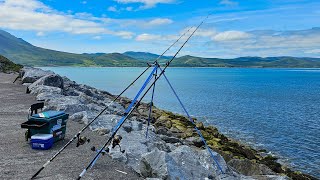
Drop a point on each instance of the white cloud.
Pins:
(151, 23)
(159, 22)
(34, 15)
(83, 2)
(312, 51)
(40, 33)
(202, 33)
(228, 2)
(148, 37)
(272, 43)
(205, 32)
(97, 37)
(232, 43)
(112, 9)
(146, 3)
(230, 36)
(223, 19)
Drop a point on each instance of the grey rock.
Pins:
(135, 145)
(30, 75)
(94, 108)
(161, 145)
(117, 155)
(89, 91)
(45, 96)
(170, 139)
(196, 141)
(53, 80)
(116, 108)
(249, 168)
(193, 167)
(68, 83)
(103, 121)
(171, 147)
(102, 131)
(69, 104)
(164, 131)
(127, 127)
(136, 125)
(78, 116)
(209, 163)
(70, 91)
(44, 89)
(158, 164)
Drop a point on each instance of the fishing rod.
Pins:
(151, 103)
(76, 136)
(120, 123)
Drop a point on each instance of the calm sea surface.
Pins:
(274, 109)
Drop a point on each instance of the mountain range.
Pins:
(22, 52)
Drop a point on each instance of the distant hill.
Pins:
(276, 62)
(22, 52)
(25, 53)
(146, 56)
(6, 65)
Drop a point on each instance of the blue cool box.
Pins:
(41, 141)
(49, 122)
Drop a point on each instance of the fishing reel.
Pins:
(82, 140)
(115, 142)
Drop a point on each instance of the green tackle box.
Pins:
(49, 122)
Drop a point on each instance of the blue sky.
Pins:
(235, 28)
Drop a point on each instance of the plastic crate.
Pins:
(41, 141)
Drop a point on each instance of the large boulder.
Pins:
(30, 75)
(45, 96)
(103, 121)
(79, 116)
(250, 168)
(44, 89)
(69, 104)
(201, 165)
(158, 164)
(182, 162)
(53, 80)
(135, 145)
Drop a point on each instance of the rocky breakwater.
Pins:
(172, 150)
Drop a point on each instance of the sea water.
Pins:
(273, 109)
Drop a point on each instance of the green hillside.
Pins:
(6, 65)
(146, 56)
(268, 62)
(22, 52)
(25, 53)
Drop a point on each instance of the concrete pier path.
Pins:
(19, 161)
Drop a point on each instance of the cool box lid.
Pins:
(42, 136)
(48, 114)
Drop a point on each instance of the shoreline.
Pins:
(200, 67)
(229, 148)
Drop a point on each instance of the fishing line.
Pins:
(131, 108)
(117, 97)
